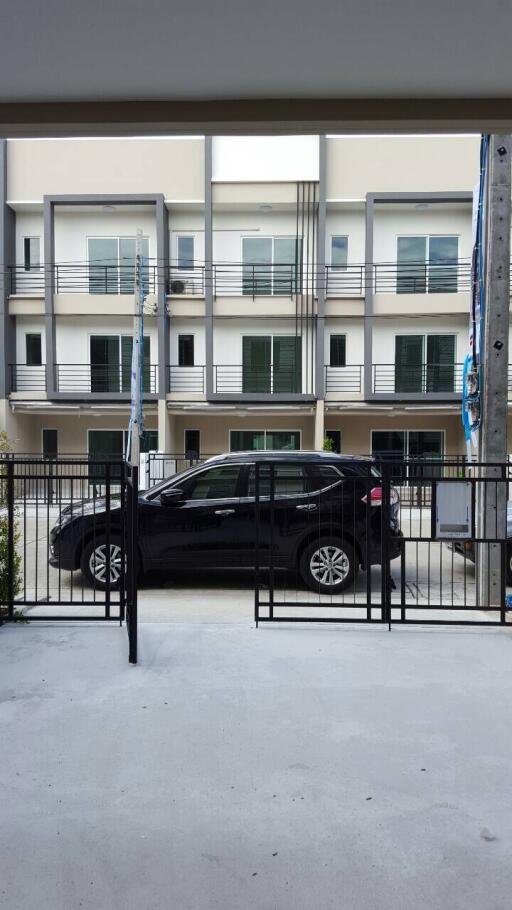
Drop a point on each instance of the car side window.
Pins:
(321, 476)
(216, 483)
(289, 480)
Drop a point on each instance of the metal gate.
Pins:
(443, 559)
(68, 542)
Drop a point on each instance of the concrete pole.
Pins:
(137, 354)
(492, 501)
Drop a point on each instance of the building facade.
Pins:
(296, 288)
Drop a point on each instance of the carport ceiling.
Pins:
(157, 62)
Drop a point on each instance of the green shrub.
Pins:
(328, 445)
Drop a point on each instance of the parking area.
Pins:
(280, 768)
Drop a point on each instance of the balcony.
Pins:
(186, 380)
(438, 379)
(259, 382)
(345, 380)
(80, 379)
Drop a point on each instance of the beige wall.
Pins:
(359, 165)
(37, 167)
(356, 430)
(215, 429)
(25, 430)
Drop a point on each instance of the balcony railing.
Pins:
(239, 279)
(87, 379)
(187, 379)
(246, 380)
(423, 378)
(25, 378)
(347, 379)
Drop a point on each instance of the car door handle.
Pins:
(309, 507)
(224, 511)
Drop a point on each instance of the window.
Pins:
(112, 265)
(427, 264)
(258, 440)
(31, 254)
(50, 443)
(289, 480)
(395, 445)
(185, 252)
(186, 350)
(339, 252)
(33, 350)
(335, 437)
(338, 346)
(192, 444)
(321, 476)
(111, 363)
(271, 265)
(215, 483)
(109, 445)
(425, 363)
(271, 364)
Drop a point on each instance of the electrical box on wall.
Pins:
(453, 509)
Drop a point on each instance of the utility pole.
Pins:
(492, 501)
(137, 353)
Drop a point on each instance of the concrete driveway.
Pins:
(274, 769)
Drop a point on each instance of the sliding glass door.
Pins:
(271, 364)
(257, 363)
(111, 363)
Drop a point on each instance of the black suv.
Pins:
(323, 517)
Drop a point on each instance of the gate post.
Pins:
(10, 539)
(131, 561)
(384, 537)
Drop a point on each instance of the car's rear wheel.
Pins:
(94, 562)
(328, 565)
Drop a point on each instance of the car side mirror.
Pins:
(172, 497)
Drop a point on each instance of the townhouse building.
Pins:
(296, 288)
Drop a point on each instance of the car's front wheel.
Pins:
(94, 562)
(328, 565)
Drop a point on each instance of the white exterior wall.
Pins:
(230, 227)
(72, 230)
(352, 224)
(392, 223)
(253, 158)
(354, 330)
(72, 336)
(386, 330)
(193, 327)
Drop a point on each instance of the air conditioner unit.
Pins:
(178, 286)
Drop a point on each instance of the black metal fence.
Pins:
(68, 541)
(356, 553)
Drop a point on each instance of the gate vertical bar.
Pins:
(385, 531)
(257, 543)
(132, 564)
(10, 539)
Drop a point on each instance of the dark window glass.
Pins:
(289, 480)
(287, 364)
(256, 363)
(215, 483)
(31, 253)
(339, 252)
(321, 476)
(50, 443)
(186, 350)
(440, 366)
(33, 350)
(148, 441)
(185, 252)
(279, 440)
(388, 444)
(409, 363)
(338, 350)
(335, 437)
(442, 264)
(246, 440)
(411, 265)
(192, 444)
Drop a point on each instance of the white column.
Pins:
(319, 424)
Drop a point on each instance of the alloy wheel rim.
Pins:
(329, 565)
(98, 563)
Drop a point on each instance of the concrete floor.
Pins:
(241, 769)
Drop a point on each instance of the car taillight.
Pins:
(376, 496)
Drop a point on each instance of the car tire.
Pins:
(93, 562)
(328, 565)
(509, 566)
